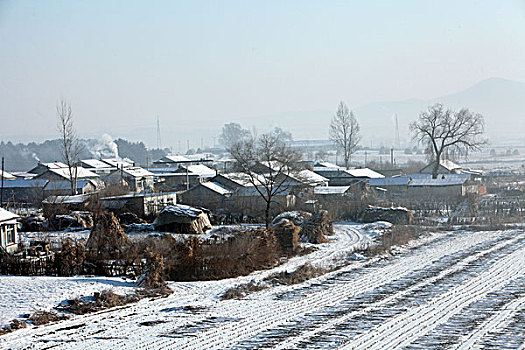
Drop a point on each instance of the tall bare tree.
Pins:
(344, 132)
(70, 144)
(271, 151)
(443, 130)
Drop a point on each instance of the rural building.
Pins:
(118, 163)
(211, 195)
(328, 192)
(63, 188)
(182, 219)
(136, 179)
(446, 188)
(64, 204)
(8, 231)
(339, 176)
(43, 167)
(24, 191)
(175, 161)
(61, 174)
(445, 167)
(97, 166)
(141, 204)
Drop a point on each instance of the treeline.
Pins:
(23, 157)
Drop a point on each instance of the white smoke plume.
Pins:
(104, 147)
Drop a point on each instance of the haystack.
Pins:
(316, 228)
(107, 235)
(182, 219)
(287, 234)
(397, 215)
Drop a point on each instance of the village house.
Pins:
(179, 160)
(118, 162)
(8, 231)
(140, 204)
(445, 167)
(211, 195)
(136, 179)
(63, 188)
(24, 191)
(61, 174)
(64, 204)
(421, 187)
(339, 176)
(97, 166)
(43, 167)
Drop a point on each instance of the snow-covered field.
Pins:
(450, 290)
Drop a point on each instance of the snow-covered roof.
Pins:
(136, 171)
(76, 199)
(330, 190)
(199, 156)
(6, 215)
(216, 187)
(118, 163)
(25, 183)
(79, 172)
(199, 169)
(182, 210)
(95, 163)
(309, 177)
(420, 180)
(6, 175)
(326, 165)
(243, 179)
(173, 159)
(54, 165)
(365, 172)
(438, 182)
(445, 163)
(23, 174)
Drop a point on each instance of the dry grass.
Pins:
(398, 235)
(242, 290)
(301, 274)
(100, 301)
(42, 317)
(13, 326)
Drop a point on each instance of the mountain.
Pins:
(500, 101)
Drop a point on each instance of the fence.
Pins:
(50, 265)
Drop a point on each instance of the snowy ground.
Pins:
(450, 290)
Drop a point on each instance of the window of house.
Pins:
(10, 234)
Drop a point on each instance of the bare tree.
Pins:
(231, 133)
(70, 147)
(344, 132)
(444, 131)
(279, 160)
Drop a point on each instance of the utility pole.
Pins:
(159, 141)
(392, 157)
(2, 190)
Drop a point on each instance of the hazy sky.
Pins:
(199, 64)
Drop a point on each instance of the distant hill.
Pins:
(500, 101)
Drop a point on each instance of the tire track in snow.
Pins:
(497, 321)
(402, 330)
(330, 324)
